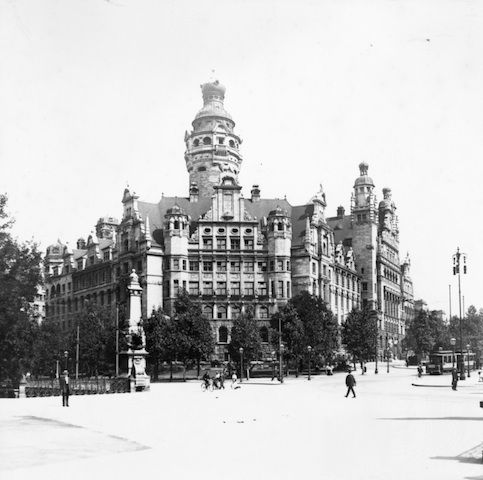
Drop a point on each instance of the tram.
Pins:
(443, 361)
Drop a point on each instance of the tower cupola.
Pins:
(212, 147)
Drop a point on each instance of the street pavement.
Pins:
(399, 427)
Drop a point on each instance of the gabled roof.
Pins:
(342, 227)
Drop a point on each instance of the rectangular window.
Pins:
(194, 266)
(279, 265)
(194, 288)
(235, 266)
(79, 266)
(207, 266)
(221, 266)
(249, 288)
(175, 264)
(221, 243)
(262, 266)
(288, 265)
(248, 243)
(207, 288)
(262, 288)
(272, 265)
(184, 264)
(207, 243)
(235, 243)
(364, 286)
(106, 255)
(314, 268)
(175, 287)
(280, 288)
(289, 293)
(140, 266)
(221, 288)
(63, 288)
(92, 260)
(235, 288)
(69, 286)
(248, 267)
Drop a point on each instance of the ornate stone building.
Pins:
(229, 252)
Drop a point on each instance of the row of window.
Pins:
(235, 266)
(221, 243)
(232, 311)
(235, 288)
(69, 306)
(223, 334)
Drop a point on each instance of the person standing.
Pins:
(454, 379)
(64, 381)
(350, 381)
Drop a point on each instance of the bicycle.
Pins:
(207, 386)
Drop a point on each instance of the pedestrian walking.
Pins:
(64, 381)
(454, 379)
(350, 381)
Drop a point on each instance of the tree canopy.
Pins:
(359, 333)
(20, 277)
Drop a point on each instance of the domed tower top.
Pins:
(212, 147)
(363, 187)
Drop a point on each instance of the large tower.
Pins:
(364, 219)
(212, 147)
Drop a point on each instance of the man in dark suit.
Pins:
(350, 381)
(64, 381)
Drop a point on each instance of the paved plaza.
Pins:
(398, 427)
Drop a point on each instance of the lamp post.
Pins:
(377, 352)
(453, 343)
(309, 349)
(457, 257)
(387, 352)
(281, 362)
(468, 357)
(241, 364)
(66, 357)
(273, 364)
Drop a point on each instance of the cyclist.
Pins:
(207, 379)
(216, 380)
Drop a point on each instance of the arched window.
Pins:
(231, 143)
(223, 335)
(208, 311)
(201, 169)
(221, 312)
(176, 224)
(52, 292)
(57, 290)
(264, 334)
(280, 226)
(207, 141)
(235, 311)
(263, 312)
(196, 142)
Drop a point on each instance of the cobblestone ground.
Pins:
(399, 426)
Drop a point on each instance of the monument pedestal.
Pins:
(133, 366)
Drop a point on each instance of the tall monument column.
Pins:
(133, 360)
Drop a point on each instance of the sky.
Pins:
(96, 95)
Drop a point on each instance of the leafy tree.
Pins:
(245, 333)
(321, 330)
(20, 275)
(288, 322)
(97, 337)
(421, 334)
(49, 343)
(359, 334)
(192, 332)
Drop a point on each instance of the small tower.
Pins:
(212, 147)
(279, 238)
(176, 236)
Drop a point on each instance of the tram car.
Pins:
(443, 361)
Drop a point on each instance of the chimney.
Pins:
(81, 244)
(340, 211)
(255, 193)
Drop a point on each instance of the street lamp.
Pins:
(457, 257)
(309, 348)
(387, 352)
(468, 356)
(377, 352)
(273, 364)
(241, 364)
(281, 362)
(453, 343)
(66, 357)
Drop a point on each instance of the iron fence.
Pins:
(87, 386)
